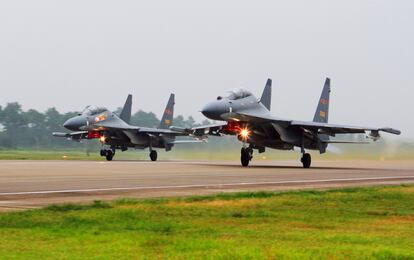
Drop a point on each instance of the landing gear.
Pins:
(108, 154)
(246, 156)
(153, 155)
(306, 160)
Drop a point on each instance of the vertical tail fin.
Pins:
(167, 118)
(266, 98)
(322, 112)
(126, 111)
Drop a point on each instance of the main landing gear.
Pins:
(108, 154)
(246, 156)
(153, 155)
(306, 160)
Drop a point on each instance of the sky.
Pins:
(69, 54)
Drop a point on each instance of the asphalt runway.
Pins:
(31, 184)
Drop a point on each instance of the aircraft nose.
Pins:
(211, 111)
(74, 123)
(207, 110)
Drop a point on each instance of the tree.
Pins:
(179, 121)
(142, 118)
(14, 124)
(36, 133)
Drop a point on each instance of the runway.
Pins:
(31, 184)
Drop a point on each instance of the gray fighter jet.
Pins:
(115, 132)
(250, 120)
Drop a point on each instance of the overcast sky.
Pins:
(68, 54)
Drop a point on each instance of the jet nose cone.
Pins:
(74, 123)
(212, 111)
(207, 110)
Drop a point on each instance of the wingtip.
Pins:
(391, 130)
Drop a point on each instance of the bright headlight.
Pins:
(244, 133)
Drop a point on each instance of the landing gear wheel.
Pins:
(306, 160)
(103, 152)
(246, 156)
(153, 156)
(109, 155)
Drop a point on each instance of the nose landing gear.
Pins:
(108, 154)
(306, 160)
(153, 155)
(246, 156)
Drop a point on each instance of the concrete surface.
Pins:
(30, 184)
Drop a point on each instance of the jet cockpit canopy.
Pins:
(236, 94)
(93, 110)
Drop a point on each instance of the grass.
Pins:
(360, 223)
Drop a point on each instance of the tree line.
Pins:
(33, 129)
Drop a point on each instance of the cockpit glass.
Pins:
(238, 94)
(92, 110)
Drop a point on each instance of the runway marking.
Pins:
(206, 185)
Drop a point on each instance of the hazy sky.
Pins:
(69, 54)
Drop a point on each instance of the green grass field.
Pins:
(359, 223)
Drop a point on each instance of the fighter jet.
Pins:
(250, 120)
(115, 132)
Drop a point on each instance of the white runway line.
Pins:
(213, 185)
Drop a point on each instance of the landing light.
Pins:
(244, 133)
(102, 139)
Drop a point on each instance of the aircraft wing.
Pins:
(345, 142)
(187, 141)
(200, 131)
(175, 131)
(115, 126)
(128, 128)
(213, 129)
(330, 129)
(75, 136)
(159, 131)
(254, 117)
(341, 129)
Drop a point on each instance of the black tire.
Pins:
(306, 160)
(109, 155)
(103, 152)
(153, 156)
(245, 157)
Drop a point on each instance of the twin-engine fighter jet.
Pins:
(115, 132)
(250, 120)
